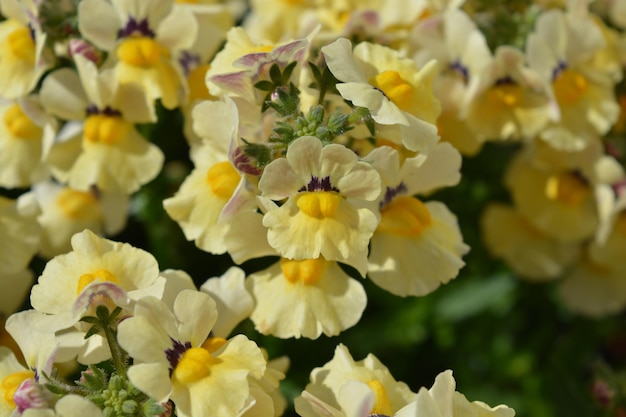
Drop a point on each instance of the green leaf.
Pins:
(287, 72)
(265, 85)
(275, 74)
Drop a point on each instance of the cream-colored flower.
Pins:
(22, 43)
(25, 134)
(305, 298)
(328, 381)
(556, 191)
(175, 360)
(391, 87)
(144, 36)
(323, 187)
(417, 246)
(561, 51)
(12, 374)
(510, 102)
(108, 152)
(65, 211)
(528, 251)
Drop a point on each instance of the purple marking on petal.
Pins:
(174, 354)
(559, 69)
(188, 61)
(507, 80)
(391, 193)
(135, 28)
(97, 290)
(234, 81)
(460, 69)
(317, 184)
(107, 111)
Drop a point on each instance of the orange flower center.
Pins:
(78, 205)
(567, 188)
(307, 271)
(140, 51)
(404, 216)
(395, 88)
(22, 45)
(319, 204)
(11, 383)
(569, 86)
(223, 179)
(19, 124)
(109, 130)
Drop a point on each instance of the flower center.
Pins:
(19, 124)
(78, 204)
(22, 45)
(395, 88)
(197, 84)
(101, 128)
(381, 402)
(567, 188)
(101, 275)
(508, 94)
(318, 204)
(223, 178)
(307, 271)
(404, 216)
(11, 383)
(139, 51)
(569, 86)
(194, 365)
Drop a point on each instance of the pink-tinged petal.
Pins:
(98, 23)
(357, 399)
(340, 61)
(97, 293)
(236, 82)
(197, 314)
(152, 379)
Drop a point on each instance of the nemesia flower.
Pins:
(416, 246)
(96, 271)
(323, 186)
(392, 88)
(65, 211)
(511, 102)
(242, 63)
(201, 376)
(528, 251)
(556, 191)
(144, 36)
(561, 51)
(109, 152)
(12, 375)
(25, 133)
(327, 382)
(22, 43)
(305, 298)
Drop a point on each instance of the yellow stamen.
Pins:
(197, 85)
(509, 95)
(19, 124)
(100, 128)
(569, 86)
(101, 275)
(78, 205)
(404, 216)
(307, 271)
(139, 52)
(382, 405)
(11, 383)
(194, 365)
(567, 188)
(223, 179)
(395, 88)
(213, 344)
(22, 45)
(261, 48)
(318, 204)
